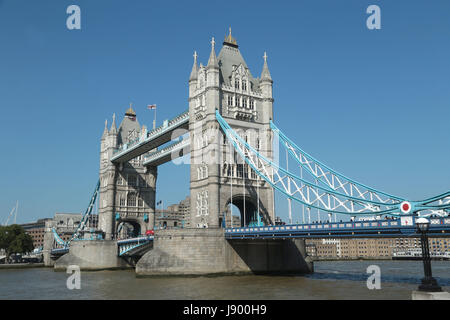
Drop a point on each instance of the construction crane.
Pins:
(13, 211)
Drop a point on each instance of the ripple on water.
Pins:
(332, 280)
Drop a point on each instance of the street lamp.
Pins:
(429, 284)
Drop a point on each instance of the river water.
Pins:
(331, 280)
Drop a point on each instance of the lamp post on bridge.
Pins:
(429, 284)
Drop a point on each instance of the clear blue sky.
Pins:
(373, 104)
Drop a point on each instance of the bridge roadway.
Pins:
(439, 227)
(403, 227)
(132, 246)
(171, 152)
(169, 130)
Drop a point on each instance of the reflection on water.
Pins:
(331, 280)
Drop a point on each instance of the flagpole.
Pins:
(153, 106)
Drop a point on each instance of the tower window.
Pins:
(252, 104)
(202, 172)
(240, 170)
(245, 169)
(131, 200)
(122, 201)
(131, 180)
(236, 83)
(230, 100)
(244, 102)
(244, 85)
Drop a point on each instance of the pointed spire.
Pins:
(113, 125)
(105, 132)
(194, 68)
(229, 40)
(212, 62)
(265, 74)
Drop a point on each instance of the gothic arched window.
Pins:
(131, 199)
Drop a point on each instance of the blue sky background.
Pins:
(372, 104)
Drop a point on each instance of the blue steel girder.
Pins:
(59, 251)
(87, 213)
(130, 245)
(329, 178)
(439, 227)
(82, 223)
(168, 131)
(326, 197)
(172, 152)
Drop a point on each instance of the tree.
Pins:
(14, 239)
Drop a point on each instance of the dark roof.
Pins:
(230, 56)
(127, 125)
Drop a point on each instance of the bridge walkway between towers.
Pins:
(153, 139)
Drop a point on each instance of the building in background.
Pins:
(66, 224)
(175, 216)
(232, 221)
(36, 230)
(375, 248)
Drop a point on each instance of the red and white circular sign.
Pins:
(405, 207)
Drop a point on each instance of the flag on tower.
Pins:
(152, 106)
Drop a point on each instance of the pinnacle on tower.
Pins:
(265, 74)
(113, 125)
(229, 40)
(212, 62)
(105, 132)
(130, 113)
(194, 68)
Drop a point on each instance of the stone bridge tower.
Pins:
(218, 175)
(127, 191)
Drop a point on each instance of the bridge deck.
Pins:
(133, 245)
(155, 138)
(355, 229)
(171, 152)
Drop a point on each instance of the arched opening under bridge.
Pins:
(242, 211)
(128, 229)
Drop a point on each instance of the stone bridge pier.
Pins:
(206, 251)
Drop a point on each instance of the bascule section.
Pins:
(220, 180)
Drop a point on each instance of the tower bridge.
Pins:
(229, 133)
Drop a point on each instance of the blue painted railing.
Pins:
(350, 229)
(126, 245)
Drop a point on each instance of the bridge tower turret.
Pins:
(218, 176)
(127, 190)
